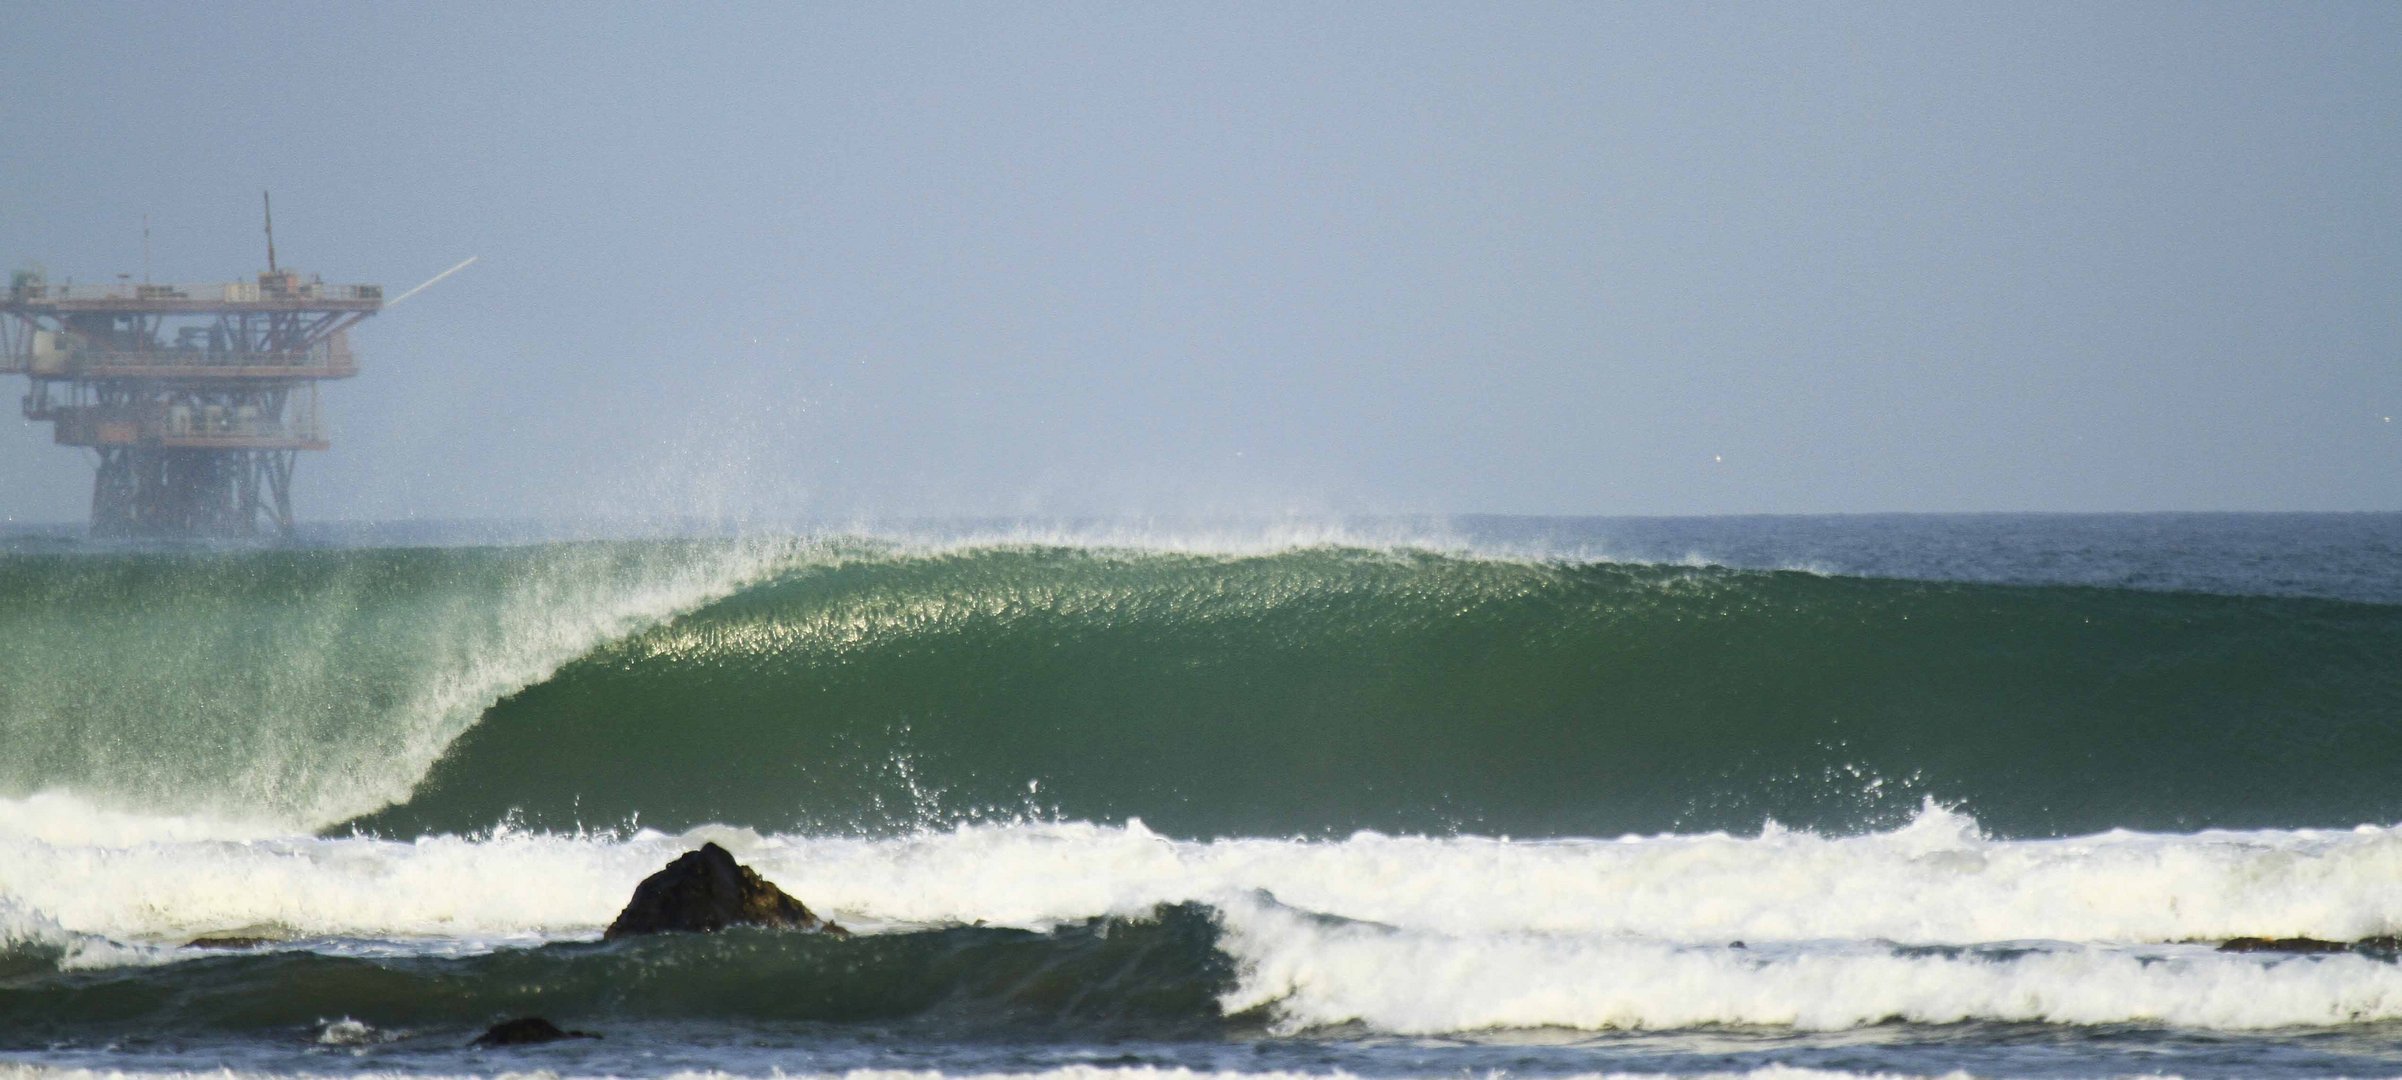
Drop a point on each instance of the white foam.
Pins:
(1408, 934)
(66, 818)
(504, 887)
(1935, 881)
(347, 1031)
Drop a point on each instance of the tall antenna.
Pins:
(145, 249)
(269, 203)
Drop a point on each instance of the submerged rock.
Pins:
(2309, 945)
(526, 1031)
(228, 941)
(252, 936)
(705, 891)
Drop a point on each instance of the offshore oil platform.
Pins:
(195, 399)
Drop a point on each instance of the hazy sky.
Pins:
(1282, 258)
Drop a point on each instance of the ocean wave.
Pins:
(1269, 688)
(1933, 922)
(1156, 975)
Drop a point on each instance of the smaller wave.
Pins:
(1311, 972)
(1156, 975)
(32, 943)
(1076, 923)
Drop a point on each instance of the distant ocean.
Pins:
(1783, 796)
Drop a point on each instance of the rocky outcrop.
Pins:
(705, 891)
(526, 1031)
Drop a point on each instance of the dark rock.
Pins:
(706, 891)
(526, 1031)
(2301, 945)
(252, 936)
(228, 941)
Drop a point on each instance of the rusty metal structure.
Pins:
(195, 399)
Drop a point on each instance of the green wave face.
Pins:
(1322, 691)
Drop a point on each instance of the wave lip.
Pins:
(302, 688)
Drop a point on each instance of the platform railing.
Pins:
(86, 425)
(322, 361)
(239, 292)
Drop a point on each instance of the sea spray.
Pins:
(301, 688)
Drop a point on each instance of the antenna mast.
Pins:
(269, 202)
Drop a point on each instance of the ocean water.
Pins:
(1546, 797)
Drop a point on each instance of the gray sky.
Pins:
(1284, 258)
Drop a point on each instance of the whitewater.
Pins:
(1544, 798)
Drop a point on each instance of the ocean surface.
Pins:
(1464, 797)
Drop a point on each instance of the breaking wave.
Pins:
(876, 688)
